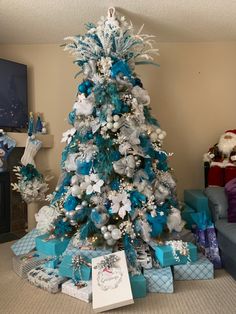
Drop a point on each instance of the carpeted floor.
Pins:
(17, 296)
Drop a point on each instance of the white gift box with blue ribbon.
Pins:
(84, 293)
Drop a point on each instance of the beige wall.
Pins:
(193, 96)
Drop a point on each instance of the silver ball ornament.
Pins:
(111, 227)
(104, 229)
(74, 180)
(116, 234)
(116, 118)
(84, 203)
(111, 242)
(107, 235)
(75, 190)
(78, 207)
(109, 125)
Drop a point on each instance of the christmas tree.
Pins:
(116, 187)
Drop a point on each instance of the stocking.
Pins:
(6, 146)
(31, 148)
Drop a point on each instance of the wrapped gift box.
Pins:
(110, 282)
(45, 278)
(25, 244)
(84, 293)
(138, 286)
(22, 264)
(197, 200)
(52, 262)
(86, 251)
(144, 258)
(159, 280)
(164, 254)
(199, 270)
(186, 216)
(66, 269)
(52, 247)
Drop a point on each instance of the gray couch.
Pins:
(226, 232)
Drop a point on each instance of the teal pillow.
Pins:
(218, 202)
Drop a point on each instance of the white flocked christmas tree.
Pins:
(116, 187)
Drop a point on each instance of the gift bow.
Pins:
(77, 261)
(107, 263)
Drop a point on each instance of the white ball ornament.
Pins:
(161, 136)
(111, 227)
(104, 229)
(74, 180)
(109, 119)
(78, 207)
(153, 136)
(107, 235)
(116, 234)
(84, 203)
(75, 190)
(116, 125)
(111, 242)
(109, 125)
(116, 118)
(158, 131)
(71, 213)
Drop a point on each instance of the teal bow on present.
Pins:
(201, 220)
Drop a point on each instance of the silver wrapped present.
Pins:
(22, 264)
(83, 292)
(46, 278)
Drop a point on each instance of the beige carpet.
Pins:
(17, 296)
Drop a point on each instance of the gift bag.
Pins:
(206, 238)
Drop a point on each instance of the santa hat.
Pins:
(231, 131)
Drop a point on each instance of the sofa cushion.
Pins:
(218, 202)
(226, 235)
(230, 190)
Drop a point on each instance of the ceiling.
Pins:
(49, 21)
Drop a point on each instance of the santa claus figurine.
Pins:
(222, 160)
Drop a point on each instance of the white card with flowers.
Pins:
(110, 281)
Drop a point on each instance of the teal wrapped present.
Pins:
(138, 286)
(85, 250)
(186, 216)
(164, 254)
(77, 271)
(200, 270)
(51, 247)
(159, 280)
(52, 263)
(197, 200)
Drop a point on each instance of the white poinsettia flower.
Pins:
(121, 204)
(84, 105)
(45, 217)
(92, 184)
(141, 95)
(67, 136)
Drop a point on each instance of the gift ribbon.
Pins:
(77, 262)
